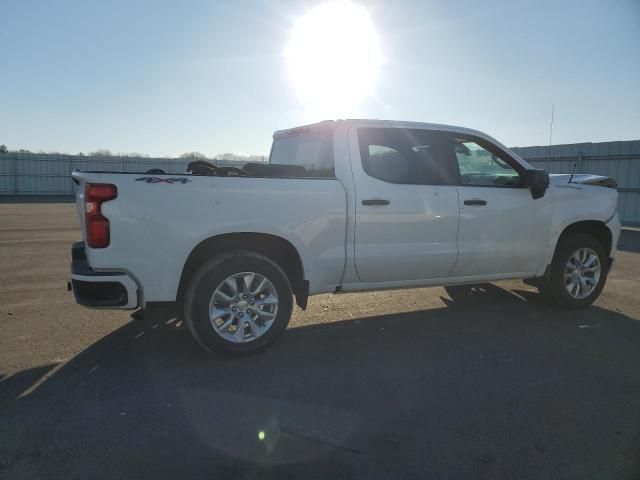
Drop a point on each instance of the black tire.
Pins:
(204, 283)
(553, 288)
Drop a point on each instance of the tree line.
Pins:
(186, 156)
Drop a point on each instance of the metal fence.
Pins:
(49, 174)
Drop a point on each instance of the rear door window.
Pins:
(404, 156)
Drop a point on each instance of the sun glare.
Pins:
(334, 58)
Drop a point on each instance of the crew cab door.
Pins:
(406, 205)
(503, 229)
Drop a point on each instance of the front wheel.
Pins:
(578, 272)
(238, 303)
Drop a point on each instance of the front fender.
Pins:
(575, 203)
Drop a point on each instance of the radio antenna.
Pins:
(553, 108)
(572, 172)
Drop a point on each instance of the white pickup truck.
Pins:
(342, 206)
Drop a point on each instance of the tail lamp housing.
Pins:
(97, 226)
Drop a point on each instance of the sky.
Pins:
(167, 77)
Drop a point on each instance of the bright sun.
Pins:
(334, 58)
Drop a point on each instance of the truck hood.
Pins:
(582, 178)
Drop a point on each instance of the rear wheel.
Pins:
(238, 303)
(578, 272)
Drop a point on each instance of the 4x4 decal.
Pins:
(162, 180)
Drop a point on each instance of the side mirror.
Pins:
(537, 181)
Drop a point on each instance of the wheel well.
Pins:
(273, 247)
(596, 229)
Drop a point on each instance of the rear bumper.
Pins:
(100, 289)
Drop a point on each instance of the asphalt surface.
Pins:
(482, 382)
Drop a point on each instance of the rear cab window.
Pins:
(304, 153)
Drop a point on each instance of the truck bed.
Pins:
(167, 216)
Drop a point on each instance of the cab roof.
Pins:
(369, 122)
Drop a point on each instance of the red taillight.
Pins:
(95, 194)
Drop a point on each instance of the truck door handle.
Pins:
(376, 201)
(475, 201)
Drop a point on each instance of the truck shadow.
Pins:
(492, 385)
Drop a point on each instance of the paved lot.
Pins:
(464, 382)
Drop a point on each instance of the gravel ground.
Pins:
(480, 381)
